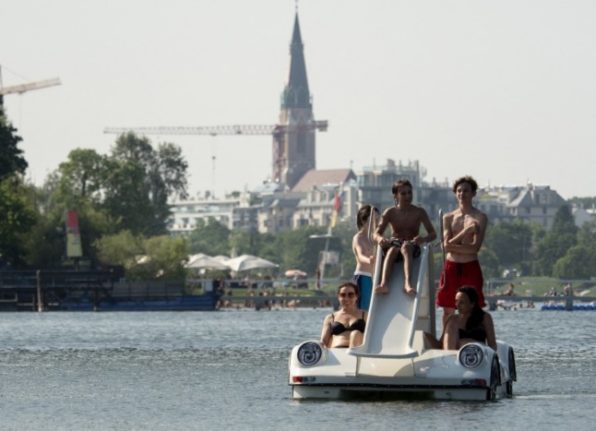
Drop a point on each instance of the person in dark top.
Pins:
(345, 327)
(470, 324)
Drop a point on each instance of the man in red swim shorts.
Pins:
(463, 233)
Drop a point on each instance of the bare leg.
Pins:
(356, 338)
(406, 251)
(386, 272)
(450, 335)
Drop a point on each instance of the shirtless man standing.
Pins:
(463, 233)
(405, 220)
(363, 249)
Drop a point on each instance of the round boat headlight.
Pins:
(471, 355)
(309, 353)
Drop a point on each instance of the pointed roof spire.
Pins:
(296, 94)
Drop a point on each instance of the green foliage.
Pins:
(490, 263)
(578, 262)
(139, 181)
(244, 242)
(80, 178)
(17, 216)
(144, 258)
(11, 156)
(166, 256)
(556, 242)
(210, 238)
(45, 245)
(507, 245)
(297, 250)
(121, 249)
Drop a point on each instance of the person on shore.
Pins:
(345, 327)
(405, 220)
(470, 323)
(363, 249)
(463, 234)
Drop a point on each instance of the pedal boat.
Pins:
(394, 360)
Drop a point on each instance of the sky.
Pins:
(504, 91)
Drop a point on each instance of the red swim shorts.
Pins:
(456, 275)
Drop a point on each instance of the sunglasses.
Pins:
(347, 295)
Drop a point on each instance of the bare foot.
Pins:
(381, 289)
(409, 290)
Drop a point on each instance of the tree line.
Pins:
(121, 199)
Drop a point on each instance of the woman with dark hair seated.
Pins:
(470, 323)
(345, 327)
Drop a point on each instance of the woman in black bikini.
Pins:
(345, 327)
(470, 323)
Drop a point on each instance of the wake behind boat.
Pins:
(395, 358)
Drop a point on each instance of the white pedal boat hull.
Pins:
(393, 360)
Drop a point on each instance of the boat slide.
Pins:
(392, 316)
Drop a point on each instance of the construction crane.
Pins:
(276, 130)
(22, 88)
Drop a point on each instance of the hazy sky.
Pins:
(502, 90)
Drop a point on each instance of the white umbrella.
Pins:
(202, 261)
(221, 258)
(247, 262)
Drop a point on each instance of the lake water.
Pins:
(228, 369)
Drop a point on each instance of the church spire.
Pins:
(296, 93)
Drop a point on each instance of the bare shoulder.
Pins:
(421, 211)
(389, 211)
(480, 216)
(450, 215)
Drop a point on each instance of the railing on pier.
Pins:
(39, 290)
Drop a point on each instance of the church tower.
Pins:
(294, 141)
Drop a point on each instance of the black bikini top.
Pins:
(477, 334)
(339, 328)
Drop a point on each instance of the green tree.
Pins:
(245, 242)
(210, 238)
(166, 257)
(490, 263)
(554, 245)
(81, 177)
(160, 257)
(12, 160)
(122, 248)
(17, 218)
(139, 182)
(511, 243)
(297, 249)
(16, 212)
(578, 263)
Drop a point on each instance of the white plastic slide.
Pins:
(392, 316)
